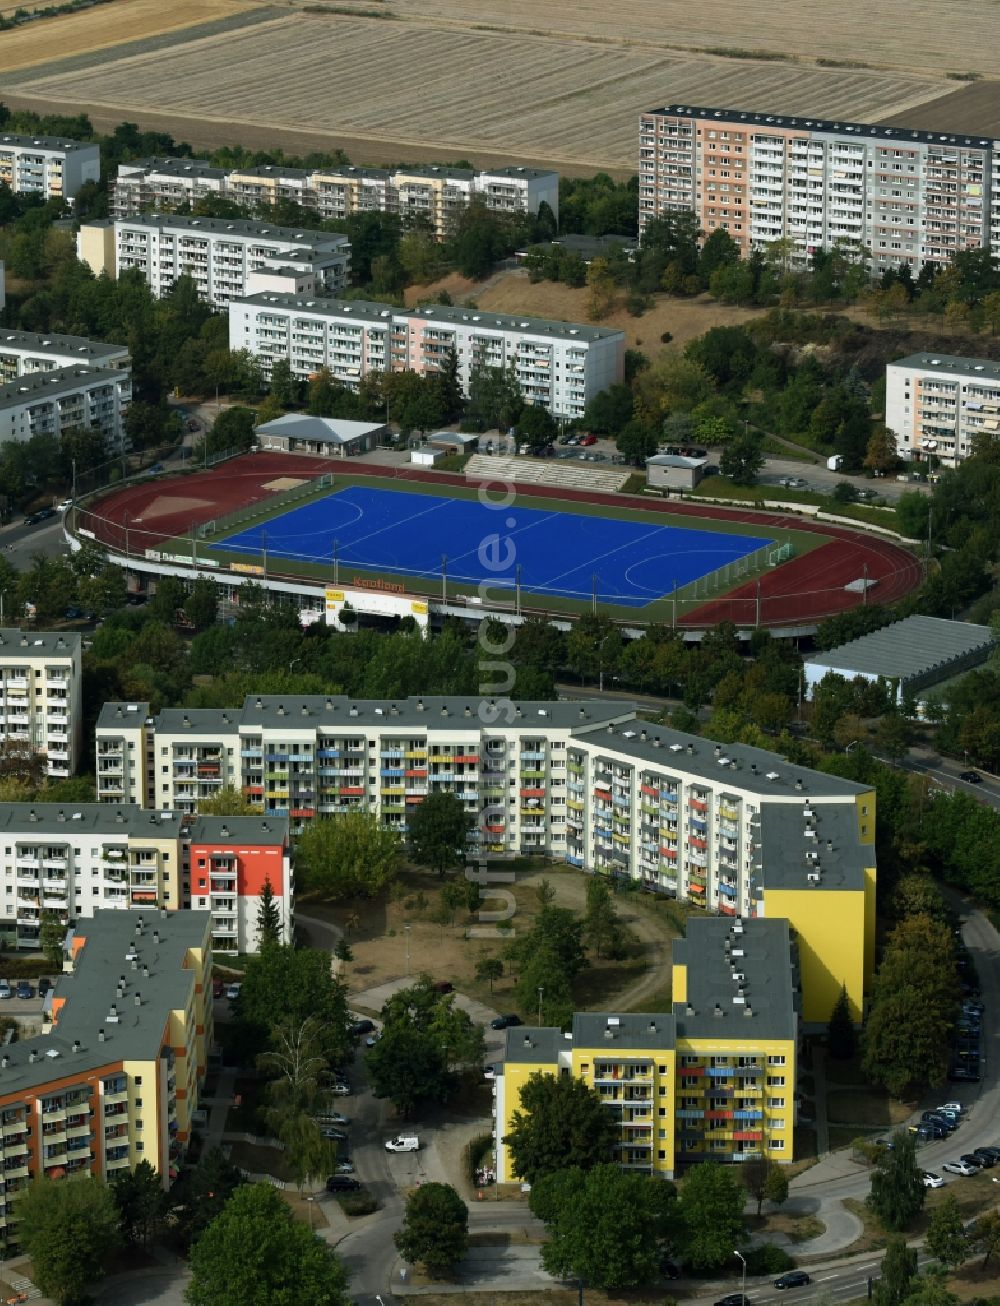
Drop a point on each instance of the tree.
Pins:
(228, 801)
(438, 830)
(489, 968)
(256, 1251)
(881, 455)
(742, 459)
(764, 1179)
(141, 1200)
(536, 426)
(52, 935)
(435, 1229)
(69, 1228)
(202, 1193)
(561, 1123)
(606, 1227)
(307, 1153)
(842, 1038)
(268, 916)
(946, 1238)
(893, 735)
(601, 926)
(899, 1269)
(712, 1215)
(346, 856)
(897, 1191)
(20, 763)
(600, 289)
(985, 1235)
(201, 606)
(291, 984)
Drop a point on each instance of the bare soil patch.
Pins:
(974, 108)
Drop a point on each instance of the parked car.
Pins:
(931, 1118)
(43, 514)
(734, 1299)
(928, 1129)
(344, 1167)
(331, 1118)
(960, 1167)
(24, 989)
(490, 1071)
(44, 984)
(403, 1143)
(932, 1180)
(669, 1269)
(970, 1158)
(588, 440)
(338, 1183)
(217, 988)
(505, 1022)
(792, 482)
(5, 990)
(986, 1157)
(335, 1135)
(792, 1279)
(971, 777)
(361, 1027)
(233, 991)
(964, 1074)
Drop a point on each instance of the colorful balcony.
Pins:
(533, 793)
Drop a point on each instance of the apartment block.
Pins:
(24, 352)
(559, 365)
(711, 1080)
(47, 165)
(51, 401)
(437, 195)
(76, 859)
(738, 830)
(80, 859)
(937, 404)
(41, 695)
(230, 859)
(115, 1076)
(227, 259)
(163, 185)
(912, 197)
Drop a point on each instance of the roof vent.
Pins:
(718, 1010)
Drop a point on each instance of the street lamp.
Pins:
(312, 1203)
(541, 994)
(743, 1262)
(406, 931)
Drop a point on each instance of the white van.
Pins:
(405, 1143)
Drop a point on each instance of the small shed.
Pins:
(426, 457)
(454, 441)
(330, 437)
(674, 471)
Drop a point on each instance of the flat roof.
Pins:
(915, 646)
(428, 712)
(482, 320)
(614, 1031)
(755, 770)
(515, 170)
(160, 941)
(46, 142)
(172, 167)
(34, 386)
(837, 127)
(245, 227)
(529, 1043)
(196, 720)
(69, 820)
(48, 343)
(119, 715)
(38, 643)
(269, 830)
(977, 368)
(430, 171)
(717, 953)
(338, 430)
(797, 843)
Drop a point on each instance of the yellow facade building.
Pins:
(713, 1079)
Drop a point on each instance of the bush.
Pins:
(20, 967)
(361, 1203)
(768, 1259)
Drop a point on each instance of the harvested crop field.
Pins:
(856, 32)
(452, 89)
(107, 25)
(974, 109)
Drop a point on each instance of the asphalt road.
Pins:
(819, 477)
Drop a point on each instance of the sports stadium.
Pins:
(341, 530)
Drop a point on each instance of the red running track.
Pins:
(801, 591)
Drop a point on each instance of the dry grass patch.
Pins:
(569, 101)
(107, 25)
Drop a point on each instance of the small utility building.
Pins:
(674, 471)
(916, 653)
(330, 437)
